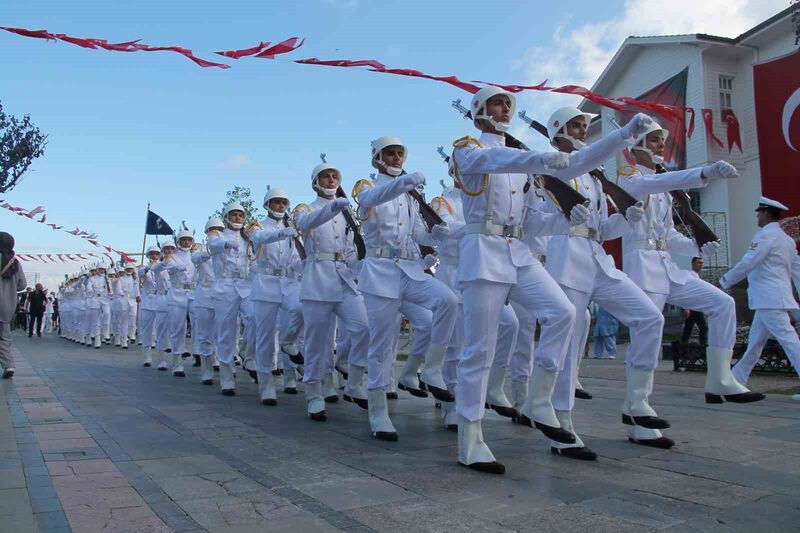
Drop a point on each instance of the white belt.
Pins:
(588, 233)
(390, 253)
(187, 286)
(487, 228)
(327, 256)
(277, 272)
(649, 244)
(449, 260)
(234, 275)
(151, 293)
(206, 283)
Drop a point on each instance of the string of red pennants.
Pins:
(55, 258)
(88, 236)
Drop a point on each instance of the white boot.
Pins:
(206, 370)
(519, 393)
(578, 450)
(148, 360)
(117, 341)
(449, 413)
(226, 379)
(636, 409)
(538, 410)
(379, 421)
(432, 372)
(354, 390)
(162, 361)
(495, 395)
(315, 402)
(177, 366)
(266, 388)
(472, 451)
(720, 381)
(97, 342)
(328, 390)
(289, 380)
(409, 381)
(124, 343)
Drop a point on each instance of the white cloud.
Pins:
(579, 52)
(234, 162)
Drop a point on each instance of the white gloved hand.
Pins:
(232, 245)
(578, 215)
(634, 213)
(637, 125)
(339, 204)
(429, 260)
(710, 248)
(440, 232)
(555, 159)
(412, 181)
(288, 233)
(720, 170)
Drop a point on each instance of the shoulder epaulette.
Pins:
(440, 201)
(627, 170)
(214, 233)
(301, 208)
(466, 141)
(360, 186)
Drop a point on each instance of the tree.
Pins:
(20, 143)
(243, 196)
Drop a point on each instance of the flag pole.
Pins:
(144, 240)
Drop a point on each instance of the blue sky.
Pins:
(128, 129)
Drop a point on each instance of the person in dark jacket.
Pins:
(37, 303)
(12, 281)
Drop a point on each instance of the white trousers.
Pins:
(541, 297)
(626, 301)
(384, 316)
(176, 315)
(203, 331)
(508, 330)
(421, 321)
(698, 295)
(94, 321)
(521, 365)
(265, 320)
(147, 326)
(105, 318)
(133, 309)
(162, 330)
(226, 315)
(768, 323)
(320, 325)
(290, 319)
(454, 349)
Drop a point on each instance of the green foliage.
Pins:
(20, 143)
(243, 196)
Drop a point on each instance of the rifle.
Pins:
(621, 199)
(355, 227)
(298, 244)
(566, 197)
(689, 217)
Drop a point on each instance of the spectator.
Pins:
(48, 314)
(695, 317)
(37, 304)
(12, 280)
(605, 334)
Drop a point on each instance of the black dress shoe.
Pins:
(318, 417)
(662, 442)
(344, 374)
(553, 433)
(277, 372)
(179, 374)
(184, 355)
(487, 468)
(361, 402)
(419, 393)
(742, 397)
(649, 422)
(216, 368)
(196, 360)
(146, 364)
(443, 395)
(332, 399)
(253, 374)
(208, 382)
(582, 454)
(125, 347)
(582, 394)
(8, 373)
(451, 427)
(297, 358)
(508, 412)
(388, 436)
(162, 369)
(269, 401)
(290, 390)
(391, 396)
(229, 392)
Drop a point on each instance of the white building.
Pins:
(720, 75)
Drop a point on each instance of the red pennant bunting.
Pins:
(283, 47)
(19, 256)
(519, 88)
(69, 257)
(589, 95)
(79, 255)
(734, 135)
(708, 120)
(41, 220)
(85, 43)
(691, 122)
(236, 54)
(61, 258)
(342, 63)
(37, 34)
(50, 257)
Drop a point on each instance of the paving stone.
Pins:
(356, 492)
(182, 466)
(13, 501)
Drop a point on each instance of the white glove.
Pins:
(288, 233)
(440, 232)
(339, 204)
(710, 248)
(637, 125)
(412, 181)
(429, 260)
(555, 159)
(720, 170)
(232, 245)
(634, 213)
(578, 215)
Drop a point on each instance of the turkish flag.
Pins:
(777, 96)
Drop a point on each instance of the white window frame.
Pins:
(725, 84)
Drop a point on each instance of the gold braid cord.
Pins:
(439, 203)
(461, 143)
(357, 189)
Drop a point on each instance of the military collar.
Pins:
(492, 139)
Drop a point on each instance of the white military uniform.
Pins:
(228, 251)
(147, 312)
(328, 291)
(204, 329)
(393, 229)
(162, 281)
(98, 307)
(275, 257)
(133, 307)
(181, 271)
(771, 265)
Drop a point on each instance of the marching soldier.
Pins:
(771, 266)
(149, 304)
(134, 298)
(163, 282)
(203, 327)
(328, 291)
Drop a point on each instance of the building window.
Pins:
(725, 95)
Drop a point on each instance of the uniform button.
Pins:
(399, 223)
(509, 240)
(334, 221)
(335, 236)
(510, 216)
(397, 242)
(513, 191)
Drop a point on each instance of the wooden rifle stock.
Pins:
(298, 244)
(700, 230)
(358, 239)
(428, 214)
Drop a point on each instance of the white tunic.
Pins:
(275, 258)
(230, 265)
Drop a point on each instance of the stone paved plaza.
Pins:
(91, 442)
